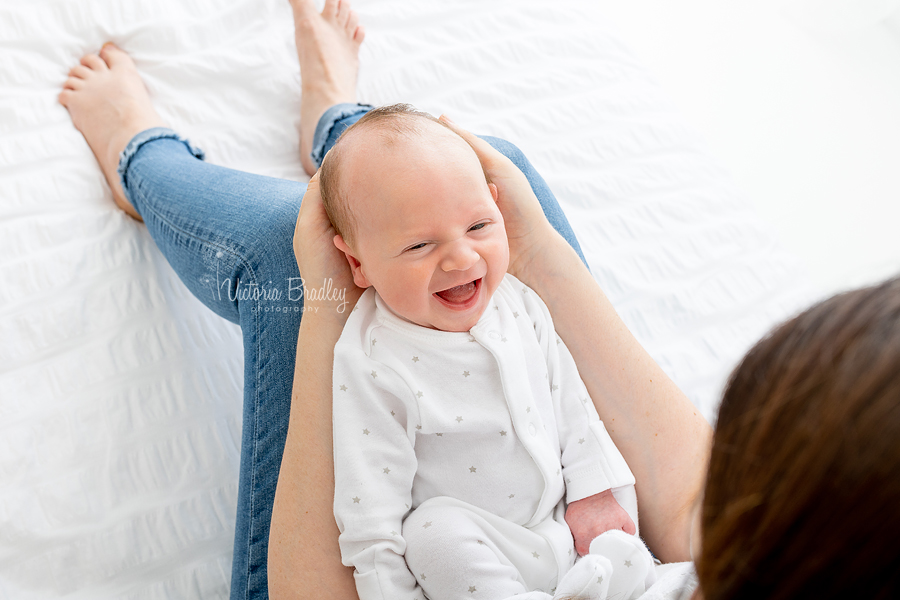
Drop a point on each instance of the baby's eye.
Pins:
(416, 247)
(477, 227)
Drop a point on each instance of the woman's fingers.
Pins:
(495, 164)
(320, 262)
(526, 226)
(308, 227)
(516, 199)
(313, 235)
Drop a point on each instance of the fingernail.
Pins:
(447, 120)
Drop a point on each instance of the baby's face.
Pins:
(429, 237)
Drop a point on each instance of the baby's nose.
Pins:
(459, 257)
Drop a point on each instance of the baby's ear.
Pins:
(359, 278)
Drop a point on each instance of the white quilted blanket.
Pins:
(120, 393)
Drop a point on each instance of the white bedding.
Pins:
(120, 393)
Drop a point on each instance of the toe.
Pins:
(331, 9)
(80, 72)
(588, 578)
(65, 97)
(92, 61)
(303, 8)
(352, 22)
(343, 11)
(114, 56)
(73, 83)
(359, 35)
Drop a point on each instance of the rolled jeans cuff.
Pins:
(331, 125)
(148, 135)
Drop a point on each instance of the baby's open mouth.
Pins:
(460, 294)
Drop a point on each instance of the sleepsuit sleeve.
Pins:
(591, 462)
(375, 462)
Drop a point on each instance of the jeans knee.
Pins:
(509, 150)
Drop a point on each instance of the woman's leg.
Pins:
(228, 236)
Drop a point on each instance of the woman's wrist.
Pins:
(546, 261)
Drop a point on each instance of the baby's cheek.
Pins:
(503, 253)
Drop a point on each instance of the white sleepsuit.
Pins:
(453, 451)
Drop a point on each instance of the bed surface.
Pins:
(799, 99)
(120, 401)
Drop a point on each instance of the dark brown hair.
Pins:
(803, 493)
(395, 122)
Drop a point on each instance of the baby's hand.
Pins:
(591, 516)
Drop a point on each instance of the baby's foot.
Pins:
(328, 49)
(109, 105)
(632, 564)
(588, 580)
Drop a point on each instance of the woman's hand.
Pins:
(318, 259)
(530, 234)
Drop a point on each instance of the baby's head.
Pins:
(416, 217)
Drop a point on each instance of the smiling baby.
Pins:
(467, 450)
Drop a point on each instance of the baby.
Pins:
(462, 429)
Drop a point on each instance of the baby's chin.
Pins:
(447, 322)
(460, 328)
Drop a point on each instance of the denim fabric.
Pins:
(228, 235)
(332, 124)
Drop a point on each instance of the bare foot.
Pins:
(109, 105)
(328, 49)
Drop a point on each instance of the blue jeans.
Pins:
(228, 235)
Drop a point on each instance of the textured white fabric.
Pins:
(620, 567)
(496, 417)
(458, 551)
(120, 395)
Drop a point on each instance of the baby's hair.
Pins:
(396, 121)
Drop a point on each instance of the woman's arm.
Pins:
(304, 558)
(660, 433)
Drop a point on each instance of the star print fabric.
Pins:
(472, 539)
(496, 418)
